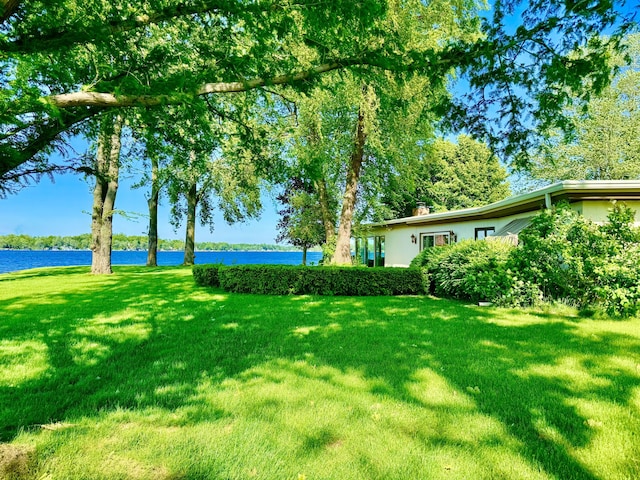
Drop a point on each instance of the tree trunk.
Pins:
(342, 255)
(327, 221)
(152, 252)
(104, 194)
(190, 239)
(304, 255)
(9, 7)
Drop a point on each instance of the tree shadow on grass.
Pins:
(148, 339)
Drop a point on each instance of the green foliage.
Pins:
(545, 254)
(561, 257)
(301, 215)
(448, 177)
(287, 279)
(468, 270)
(605, 144)
(134, 54)
(427, 261)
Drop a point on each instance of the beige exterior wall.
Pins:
(399, 250)
(597, 210)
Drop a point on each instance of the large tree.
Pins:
(605, 144)
(218, 163)
(63, 63)
(151, 152)
(106, 170)
(449, 176)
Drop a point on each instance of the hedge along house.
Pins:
(396, 242)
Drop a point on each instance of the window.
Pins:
(379, 251)
(436, 239)
(371, 250)
(484, 232)
(368, 251)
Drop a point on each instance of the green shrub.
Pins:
(206, 275)
(521, 293)
(561, 257)
(469, 270)
(618, 291)
(573, 260)
(544, 256)
(428, 261)
(289, 279)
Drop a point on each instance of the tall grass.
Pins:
(143, 375)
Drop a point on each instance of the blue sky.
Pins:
(63, 208)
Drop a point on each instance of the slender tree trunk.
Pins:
(96, 214)
(342, 255)
(152, 252)
(190, 238)
(327, 220)
(321, 187)
(104, 194)
(304, 255)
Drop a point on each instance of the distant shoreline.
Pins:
(128, 243)
(159, 250)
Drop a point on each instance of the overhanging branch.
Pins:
(45, 134)
(110, 100)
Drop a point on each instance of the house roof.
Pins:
(569, 190)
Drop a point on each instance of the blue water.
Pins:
(14, 260)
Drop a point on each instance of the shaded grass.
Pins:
(143, 375)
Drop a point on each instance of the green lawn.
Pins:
(143, 375)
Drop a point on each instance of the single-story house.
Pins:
(396, 242)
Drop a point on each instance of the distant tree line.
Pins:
(125, 242)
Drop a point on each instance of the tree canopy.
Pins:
(449, 176)
(64, 62)
(605, 144)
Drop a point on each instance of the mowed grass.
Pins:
(143, 375)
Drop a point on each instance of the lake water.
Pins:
(14, 260)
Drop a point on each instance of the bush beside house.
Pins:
(468, 270)
(560, 257)
(575, 260)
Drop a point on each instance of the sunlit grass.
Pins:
(143, 375)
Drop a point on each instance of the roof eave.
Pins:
(526, 200)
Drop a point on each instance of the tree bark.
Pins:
(152, 202)
(190, 238)
(104, 194)
(304, 255)
(9, 7)
(342, 255)
(327, 220)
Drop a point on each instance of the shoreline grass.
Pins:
(144, 375)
